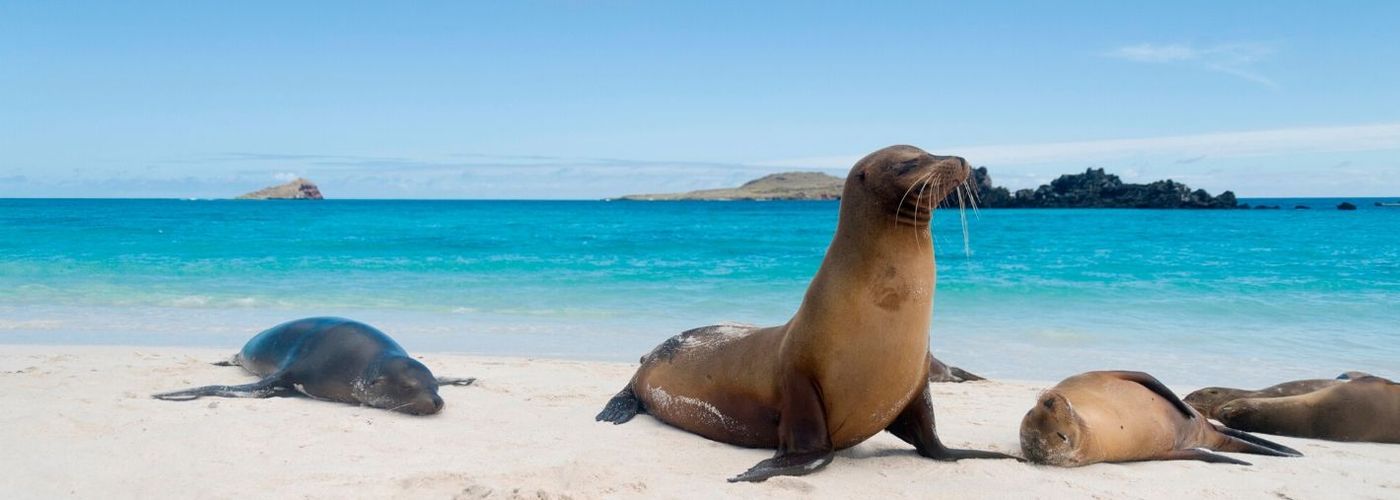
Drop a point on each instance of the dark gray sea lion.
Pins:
(333, 359)
(1119, 416)
(851, 362)
(939, 371)
(1364, 409)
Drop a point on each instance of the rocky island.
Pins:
(1097, 189)
(297, 189)
(783, 186)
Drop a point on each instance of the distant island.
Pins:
(1097, 189)
(297, 189)
(1092, 189)
(784, 186)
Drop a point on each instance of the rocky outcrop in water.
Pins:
(784, 186)
(1097, 189)
(298, 189)
(1346, 206)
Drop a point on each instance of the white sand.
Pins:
(78, 421)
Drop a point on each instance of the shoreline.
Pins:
(86, 425)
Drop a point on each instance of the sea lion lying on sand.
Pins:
(333, 359)
(1364, 409)
(1121, 416)
(1208, 400)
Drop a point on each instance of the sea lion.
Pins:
(1209, 399)
(1121, 416)
(1364, 409)
(334, 359)
(939, 371)
(851, 362)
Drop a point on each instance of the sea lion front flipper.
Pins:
(1154, 385)
(1244, 442)
(456, 381)
(1201, 454)
(264, 388)
(915, 425)
(804, 444)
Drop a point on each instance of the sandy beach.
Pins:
(78, 421)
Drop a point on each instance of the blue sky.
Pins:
(585, 99)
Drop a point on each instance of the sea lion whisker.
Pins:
(962, 215)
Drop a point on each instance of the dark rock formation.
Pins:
(1096, 189)
(1346, 206)
(298, 189)
(1301, 207)
(1267, 207)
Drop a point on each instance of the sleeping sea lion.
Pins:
(333, 359)
(1364, 409)
(1209, 399)
(1121, 416)
(852, 361)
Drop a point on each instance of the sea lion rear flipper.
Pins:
(964, 374)
(1201, 454)
(1154, 385)
(456, 381)
(267, 387)
(231, 361)
(915, 425)
(622, 407)
(1244, 442)
(804, 444)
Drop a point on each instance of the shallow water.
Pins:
(1245, 296)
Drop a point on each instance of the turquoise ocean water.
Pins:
(1247, 297)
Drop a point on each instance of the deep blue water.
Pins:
(1245, 296)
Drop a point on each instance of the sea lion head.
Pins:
(1052, 433)
(1208, 400)
(400, 384)
(1242, 414)
(904, 182)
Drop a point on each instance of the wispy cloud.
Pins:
(1234, 59)
(1375, 137)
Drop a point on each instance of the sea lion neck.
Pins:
(893, 262)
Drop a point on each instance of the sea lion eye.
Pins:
(1062, 436)
(1050, 403)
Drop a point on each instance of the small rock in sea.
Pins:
(1301, 207)
(1266, 207)
(1346, 206)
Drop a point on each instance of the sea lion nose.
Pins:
(437, 403)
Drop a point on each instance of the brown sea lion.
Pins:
(1364, 409)
(939, 371)
(852, 361)
(1208, 400)
(1120, 416)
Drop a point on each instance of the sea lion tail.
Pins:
(1244, 442)
(965, 375)
(621, 407)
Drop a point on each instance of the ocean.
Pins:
(1242, 297)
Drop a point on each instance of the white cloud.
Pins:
(1376, 137)
(285, 176)
(1234, 59)
(1146, 52)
